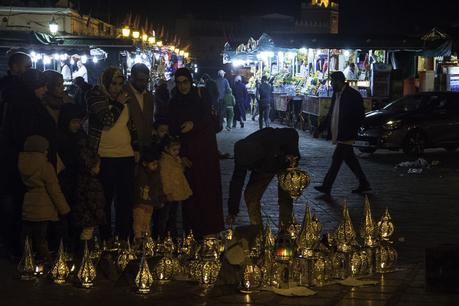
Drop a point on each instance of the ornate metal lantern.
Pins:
(26, 266)
(126, 255)
(87, 272)
(386, 257)
(164, 269)
(143, 279)
(293, 180)
(60, 270)
(250, 278)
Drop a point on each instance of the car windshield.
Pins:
(405, 104)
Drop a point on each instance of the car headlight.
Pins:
(392, 125)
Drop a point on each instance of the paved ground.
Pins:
(423, 207)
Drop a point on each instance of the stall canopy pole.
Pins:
(328, 74)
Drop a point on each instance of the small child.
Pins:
(161, 130)
(148, 192)
(44, 203)
(175, 184)
(228, 103)
(90, 198)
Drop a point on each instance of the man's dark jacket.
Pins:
(266, 149)
(351, 115)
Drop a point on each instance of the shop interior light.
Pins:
(126, 31)
(186, 54)
(159, 43)
(33, 54)
(144, 37)
(346, 53)
(95, 60)
(303, 50)
(46, 60)
(84, 59)
(53, 26)
(135, 34)
(56, 56)
(151, 40)
(182, 53)
(63, 57)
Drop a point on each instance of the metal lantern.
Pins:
(345, 235)
(302, 271)
(208, 271)
(60, 270)
(385, 226)
(164, 269)
(189, 244)
(340, 265)
(87, 272)
(126, 255)
(96, 252)
(309, 237)
(368, 230)
(386, 257)
(284, 247)
(143, 279)
(26, 266)
(318, 272)
(148, 245)
(294, 180)
(250, 278)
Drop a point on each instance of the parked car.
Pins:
(413, 123)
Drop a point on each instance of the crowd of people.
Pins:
(119, 162)
(112, 160)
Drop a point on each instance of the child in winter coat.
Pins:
(44, 203)
(149, 193)
(175, 184)
(228, 103)
(90, 199)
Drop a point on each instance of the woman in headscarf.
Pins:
(112, 135)
(190, 117)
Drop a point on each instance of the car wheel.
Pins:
(367, 150)
(451, 148)
(414, 144)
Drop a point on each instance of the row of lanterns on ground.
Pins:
(297, 255)
(150, 40)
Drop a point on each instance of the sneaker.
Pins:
(322, 189)
(362, 189)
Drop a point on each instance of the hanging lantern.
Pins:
(60, 270)
(53, 26)
(250, 278)
(143, 279)
(26, 266)
(135, 34)
(87, 272)
(126, 31)
(294, 180)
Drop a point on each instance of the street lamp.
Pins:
(126, 31)
(144, 37)
(53, 26)
(135, 34)
(151, 40)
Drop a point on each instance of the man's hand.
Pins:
(187, 126)
(123, 98)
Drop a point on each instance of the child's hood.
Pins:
(30, 163)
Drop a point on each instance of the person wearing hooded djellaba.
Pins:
(190, 118)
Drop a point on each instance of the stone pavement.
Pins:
(423, 208)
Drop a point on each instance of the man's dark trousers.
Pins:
(344, 152)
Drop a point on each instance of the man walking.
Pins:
(342, 122)
(222, 86)
(265, 153)
(264, 96)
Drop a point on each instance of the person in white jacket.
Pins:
(81, 72)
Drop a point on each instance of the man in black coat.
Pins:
(342, 123)
(265, 153)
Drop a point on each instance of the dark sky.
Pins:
(356, 16)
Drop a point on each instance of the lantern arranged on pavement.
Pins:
(87, 272)
(143, 279)
(60, 270)
(250, 277)
(26, 266)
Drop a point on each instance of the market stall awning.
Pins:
(95, 42)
